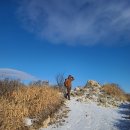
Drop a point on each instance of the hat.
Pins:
(69, 76)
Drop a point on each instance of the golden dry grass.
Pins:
(30, 101)
(128, 97)
(115, 91)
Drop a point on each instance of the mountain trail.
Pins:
(89, 116)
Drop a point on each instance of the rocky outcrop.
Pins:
(92, 83)
(92, 92)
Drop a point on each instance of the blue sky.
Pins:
(88, 39)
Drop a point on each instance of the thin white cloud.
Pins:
(15, 74)
(87, 22)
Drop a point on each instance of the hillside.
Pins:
(96, 107)
(41, 107)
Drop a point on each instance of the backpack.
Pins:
(66, 83)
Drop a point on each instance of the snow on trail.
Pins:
(92, 117)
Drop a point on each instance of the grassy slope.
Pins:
(18, 101)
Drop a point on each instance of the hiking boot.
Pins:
(68, 98)
(65, 96)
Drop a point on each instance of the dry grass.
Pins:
(19, 102)
(115, 91)
(128, 97)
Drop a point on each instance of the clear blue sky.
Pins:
(90, 39)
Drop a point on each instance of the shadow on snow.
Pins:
(124, 122)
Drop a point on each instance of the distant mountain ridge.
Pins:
(15, 74)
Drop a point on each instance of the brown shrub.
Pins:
(115, 91)
(7, 86)
(31, 101)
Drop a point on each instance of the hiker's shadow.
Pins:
(124, 122)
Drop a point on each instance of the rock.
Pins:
(77, 89)
(46, 122)
(92, 83)
(95, 98)
(103, 100)
(93, 92)
(79, 100)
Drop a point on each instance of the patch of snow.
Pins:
(28, 122)
(92, 117)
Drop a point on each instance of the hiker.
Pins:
(67, 84)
